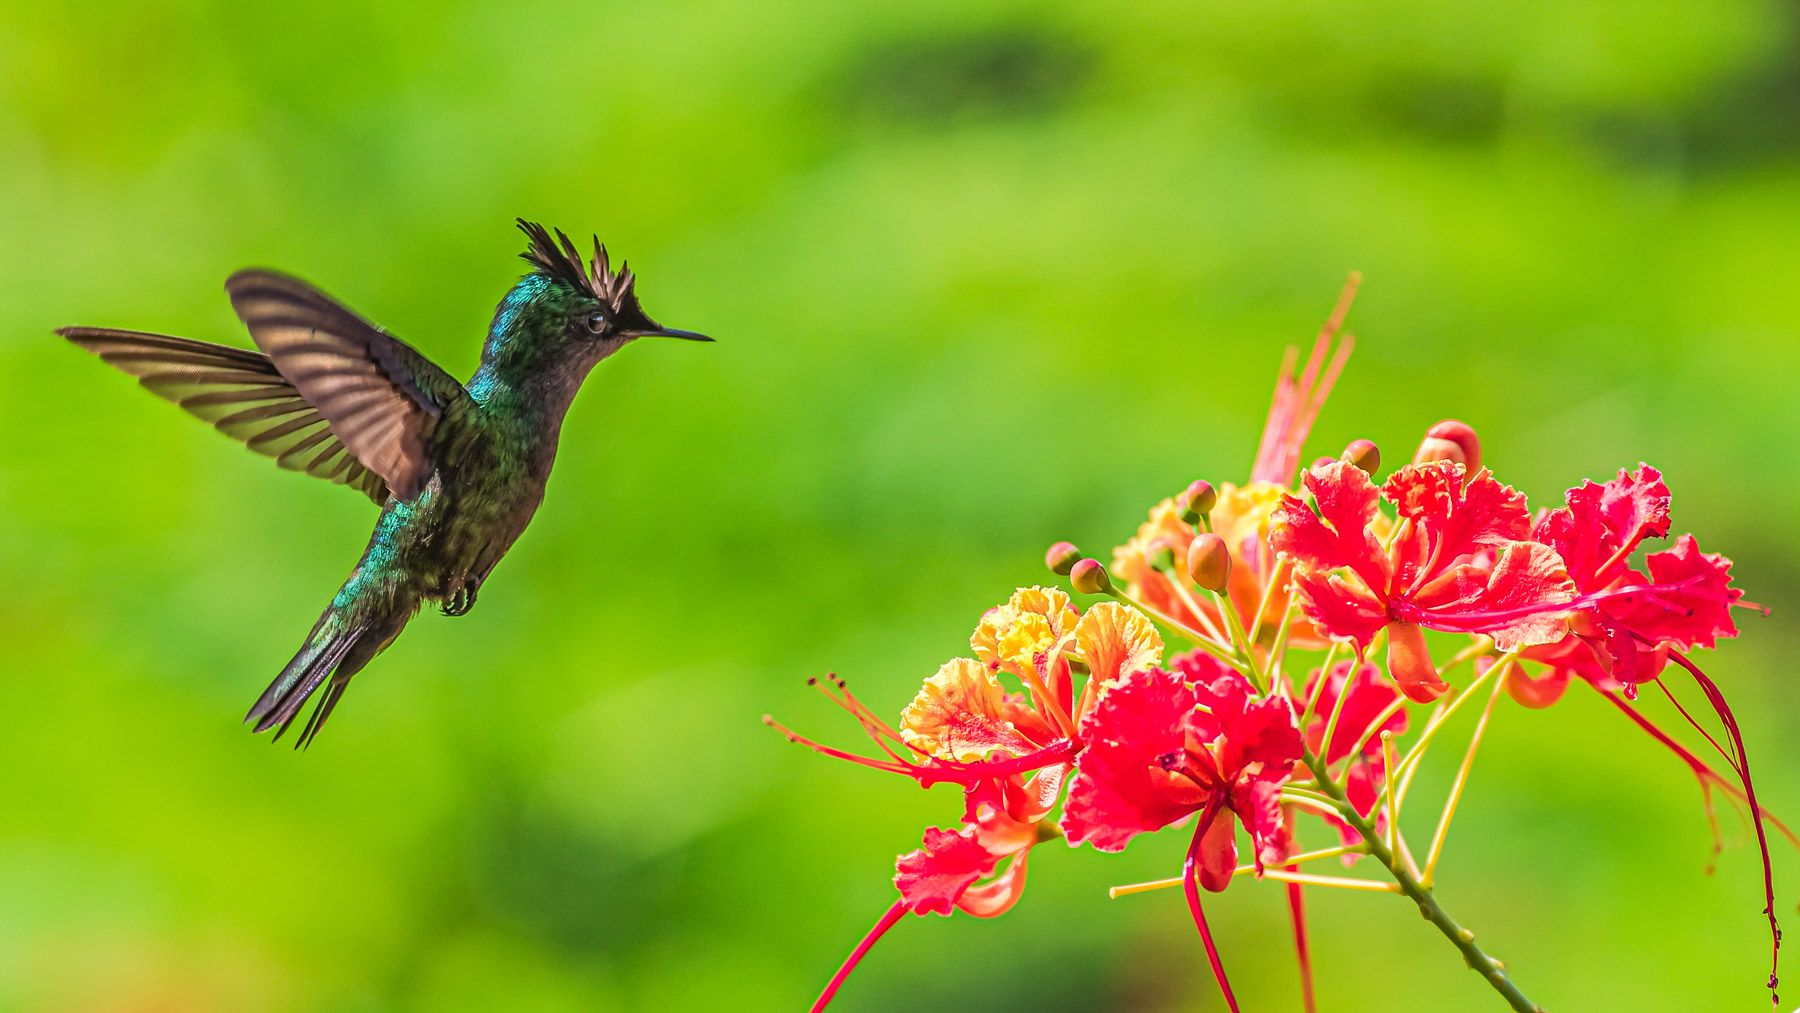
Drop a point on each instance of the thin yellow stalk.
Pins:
(1456, 788)
(1312, 700)
(1185, 631)
(1262, 607)
(1409, 764)
(1242, 870)
(1178, 582)
(1337, 882)
(1393, 807)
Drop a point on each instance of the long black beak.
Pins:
(670, 332)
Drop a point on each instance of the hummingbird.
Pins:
(458, 470)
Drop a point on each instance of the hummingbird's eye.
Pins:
(595, 322)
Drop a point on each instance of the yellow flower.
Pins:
(1243, 513)
(1016, 636)
(962, 714)
(1116, 641)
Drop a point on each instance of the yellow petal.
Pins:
(1243, 513)
(1117, 640)
(1029, 625)
(961, 714)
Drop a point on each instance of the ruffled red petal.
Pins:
(1121, 787)
(1338, 535)
(932, 879)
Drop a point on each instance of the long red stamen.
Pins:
(1624, 552)
(859, 710)
(1315, 403)
(1717, 698)
(931, 770)
(895, 767)
(1730, 760)
(1190, 887)
(1703, 772)
(1297, 910)
(1488, 620)
(888, 920)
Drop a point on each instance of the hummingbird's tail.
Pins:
(337, 648)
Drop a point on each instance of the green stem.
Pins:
(1464, 940)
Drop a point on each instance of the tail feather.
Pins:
(333, 693)
(325, 649)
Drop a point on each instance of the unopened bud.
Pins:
(1061, 557)
(1409, 662)
(1364, 454)
(1451, 440)
(1197, 500)
(1089, 577)
(1209, 562)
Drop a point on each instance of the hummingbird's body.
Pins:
(459, 470)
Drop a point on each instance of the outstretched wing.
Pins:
(241, 392)
(380, 397)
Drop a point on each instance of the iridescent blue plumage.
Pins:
(459, 470)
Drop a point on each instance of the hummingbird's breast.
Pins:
(491, 494)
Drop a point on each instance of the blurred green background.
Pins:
(985, 275)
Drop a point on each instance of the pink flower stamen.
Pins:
(1717, 698)
(1298, 399)
(1297, 911)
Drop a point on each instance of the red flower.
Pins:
(1631, 618)
(1457, 563)
(1161, 747)
(941, 876)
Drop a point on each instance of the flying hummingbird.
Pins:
(458, 471)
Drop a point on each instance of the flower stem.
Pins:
(1464, 940)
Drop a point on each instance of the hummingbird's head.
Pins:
(567, 315)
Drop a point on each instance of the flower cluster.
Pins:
(1304, 622)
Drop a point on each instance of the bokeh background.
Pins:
(985, 275)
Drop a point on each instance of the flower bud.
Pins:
(1364, 454)
(1451, 440)
(1089, 577)
(1197, 500)
(1409, 662)
(1209, 562)
(1061, 558)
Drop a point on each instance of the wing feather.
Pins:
(382, 399)
(240, 392)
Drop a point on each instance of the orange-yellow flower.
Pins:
(962, 714)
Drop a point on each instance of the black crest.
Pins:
(559, 259)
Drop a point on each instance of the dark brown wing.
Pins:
(382, 399)
(239, 391)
